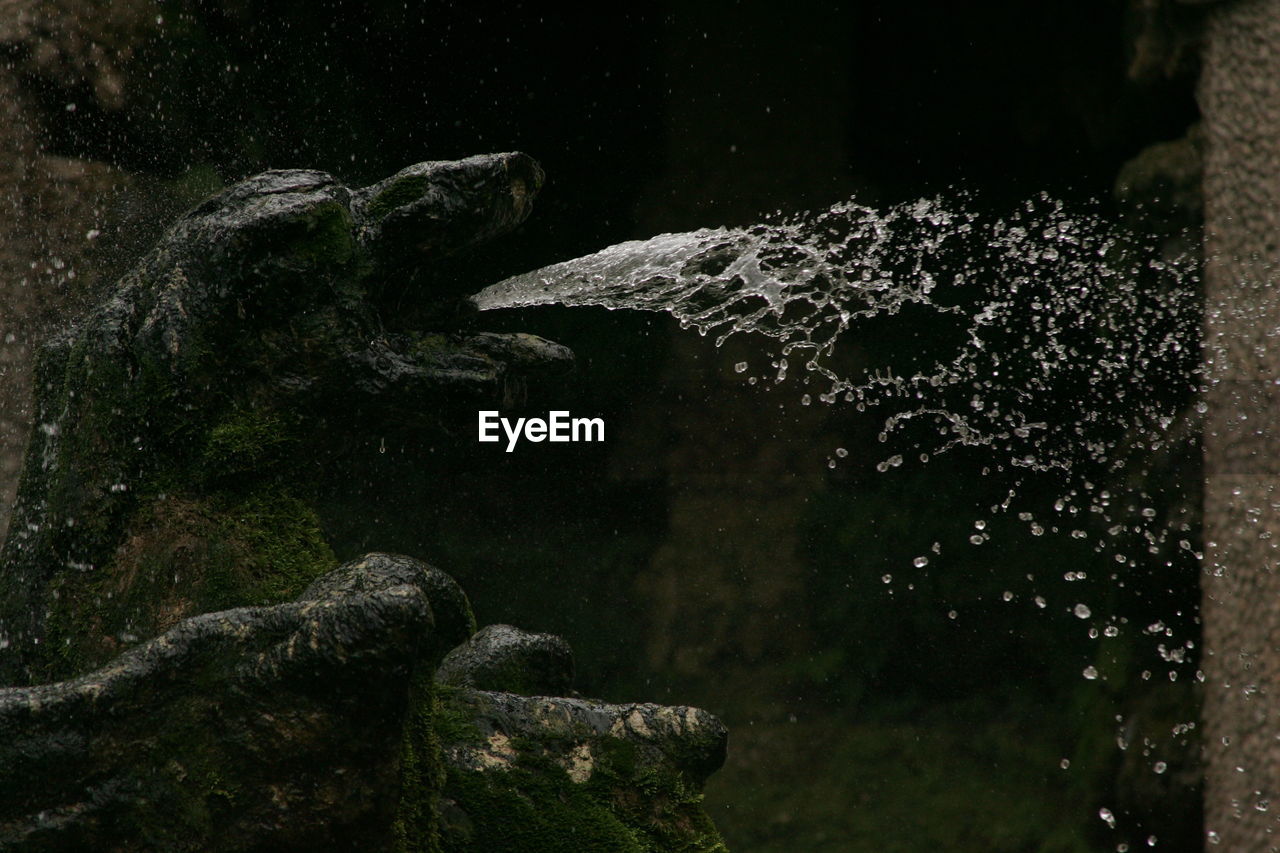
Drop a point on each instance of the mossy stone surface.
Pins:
(186, 422)
(534, 773)
(187, 426)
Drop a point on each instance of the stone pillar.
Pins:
(1240, 99)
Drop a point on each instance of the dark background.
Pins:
(706, 554)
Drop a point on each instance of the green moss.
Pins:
(181, 556)
(453, 724)
(658, 803)
(326, 238)
(526, 809)
(282, 541)
(192, 783)
(247, 442)
(398, 192)
(417, 826)
(626, 804)
(472, 624)
(429, 344)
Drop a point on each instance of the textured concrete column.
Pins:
(1240, 99)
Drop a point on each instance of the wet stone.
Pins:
(616, 777)
(254, 728)
(506, 659)
(373, 573)
(181, 418)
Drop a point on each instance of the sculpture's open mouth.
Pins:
(360, 294)
(406, 369)
(408, 226)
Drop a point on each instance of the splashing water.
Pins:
(1048, 339)
(1023, 329)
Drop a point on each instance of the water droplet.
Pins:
(1082, 611)
(892, 462)
(1090, 672)
(1107, 817)
(920, 562)
(740, 367)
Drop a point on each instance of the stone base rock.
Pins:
(315, 725)
(536, 773)
(256, 728)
